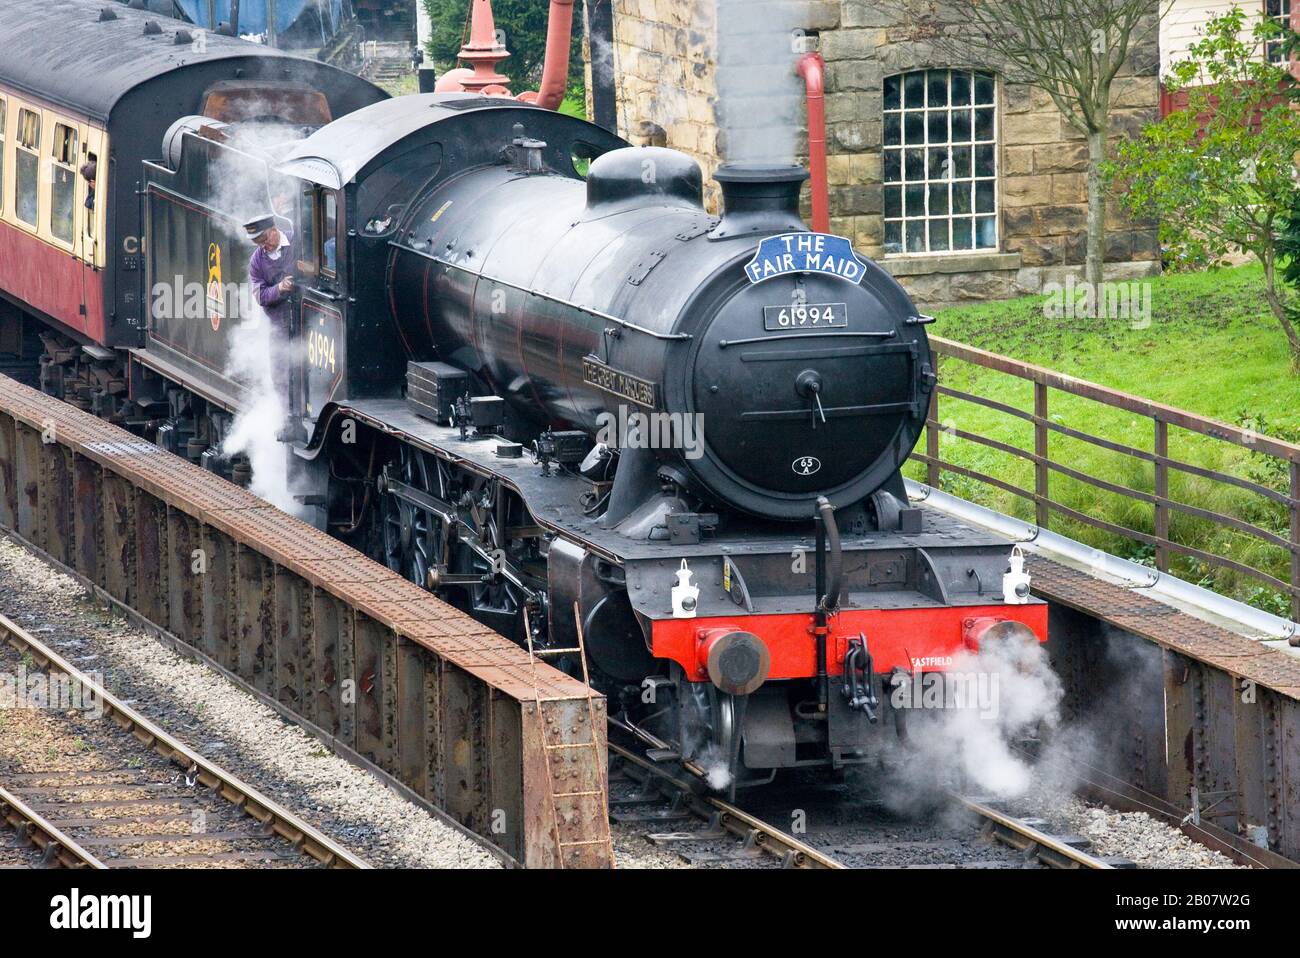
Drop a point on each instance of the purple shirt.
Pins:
(265, 274)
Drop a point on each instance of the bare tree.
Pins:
(1070, 49)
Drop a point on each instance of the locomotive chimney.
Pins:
(759, 198)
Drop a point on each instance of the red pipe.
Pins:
(555, 68)
(813, 70)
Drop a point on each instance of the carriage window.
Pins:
(328, 232)
(63, 176)
(27, 167)
(3, 115)
(89, 170)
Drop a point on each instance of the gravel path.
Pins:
(213, 716)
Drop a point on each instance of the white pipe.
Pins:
(423, 33)
(1204, 604)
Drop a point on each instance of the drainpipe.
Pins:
(812, 68)
(555, 68)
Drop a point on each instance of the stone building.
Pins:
(964, 184)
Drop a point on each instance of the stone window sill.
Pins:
(960, 263)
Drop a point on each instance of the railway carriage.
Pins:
(97, 82)
(535, 375)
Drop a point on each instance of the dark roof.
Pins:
(337, 152)
(62, 52)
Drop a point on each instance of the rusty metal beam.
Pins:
(291, 646)
(118, 513)
(185, 564)
(416, 687)
(216, 598)
(87, 520)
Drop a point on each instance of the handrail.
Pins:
(1121, 400)
(1162, 417)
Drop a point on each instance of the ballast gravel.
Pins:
(1136, 836)
(226, 724)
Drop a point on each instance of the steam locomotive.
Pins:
(534, 375)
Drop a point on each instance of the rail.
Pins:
(57, 849)
(267, 812)
(1051, 850)
(1162, 538)
(767, 838)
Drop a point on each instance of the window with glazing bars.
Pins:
(1278, 11)
(27, 166)
(940, 162)
(63, 183)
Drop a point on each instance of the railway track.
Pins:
(730, 834)
(35, 831)
(715, 833)
(1025, 836)
(127, 774)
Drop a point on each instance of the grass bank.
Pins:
(1210, 346)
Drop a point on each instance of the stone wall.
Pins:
(666, 54)
(664, 61)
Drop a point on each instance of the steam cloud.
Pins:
(760, 98)
(256, 352)
(970, 745)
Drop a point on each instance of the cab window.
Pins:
(63, 179)
(306, 238)
(327, 234)
(27, 166)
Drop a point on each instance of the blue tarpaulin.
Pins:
(252, 13)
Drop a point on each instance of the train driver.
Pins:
(270, 273)
(270, 269)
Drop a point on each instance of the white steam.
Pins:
(717, 769)
(991, 701)
(256, 351)
(259, 357)
(760, 98)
